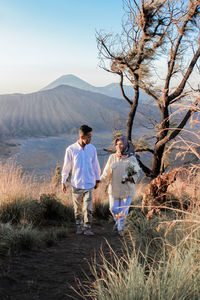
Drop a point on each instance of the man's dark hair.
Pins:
(84, 129)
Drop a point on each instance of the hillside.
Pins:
(56, 111)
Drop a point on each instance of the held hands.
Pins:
(64, 188)
(130, 179)
(97, 184)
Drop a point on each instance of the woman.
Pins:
(121, 171)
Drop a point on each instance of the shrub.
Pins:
(13, 239)
(31, 213)
(11, 211)
(26, 238)
(50, 238)
(61, 233)
(50, 207)
(178, 188)
(53, 210)
(21, 212)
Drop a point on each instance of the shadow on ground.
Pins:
(49, 273)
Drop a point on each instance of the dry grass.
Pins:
(18, 187)
(16, 184)
(22, 195)
(173, 274)
(26, 204)
(163, 259)
(188, 185)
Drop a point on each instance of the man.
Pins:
(82, 163)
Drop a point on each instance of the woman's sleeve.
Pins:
(106, 169)
(137, 169)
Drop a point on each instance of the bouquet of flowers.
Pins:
(130, 171)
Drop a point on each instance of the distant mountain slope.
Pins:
(112, 90)
(71, 80)
(59, 110)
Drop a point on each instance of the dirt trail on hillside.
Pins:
(49, 273)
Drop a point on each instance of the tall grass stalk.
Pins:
(161, 260)
(18, 185)
(15, 184)
(175, 276)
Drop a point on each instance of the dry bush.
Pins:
(188, 183)
(159, 192)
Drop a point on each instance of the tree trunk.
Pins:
(129, 124)
(157, 160)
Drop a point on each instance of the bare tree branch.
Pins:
(180, 88)
(122, 89)
(175, 132)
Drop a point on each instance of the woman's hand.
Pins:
(130, 179)
(97, 184)
(64, 188)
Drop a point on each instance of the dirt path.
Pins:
(47, 274)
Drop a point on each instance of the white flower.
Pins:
(130, 171)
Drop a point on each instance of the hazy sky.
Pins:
(42, 40)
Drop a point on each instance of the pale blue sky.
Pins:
(42, 40)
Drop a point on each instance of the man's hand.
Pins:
(97, 184)
(130, 179)
(64, 188)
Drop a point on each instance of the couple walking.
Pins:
(121, 172)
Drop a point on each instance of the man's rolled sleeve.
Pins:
(67, 166)
(97, 168)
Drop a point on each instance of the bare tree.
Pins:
(157, 51)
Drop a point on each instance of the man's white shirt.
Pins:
(83, 165)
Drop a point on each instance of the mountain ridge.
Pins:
(112, 89)
(55, 111)
(50, 112)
